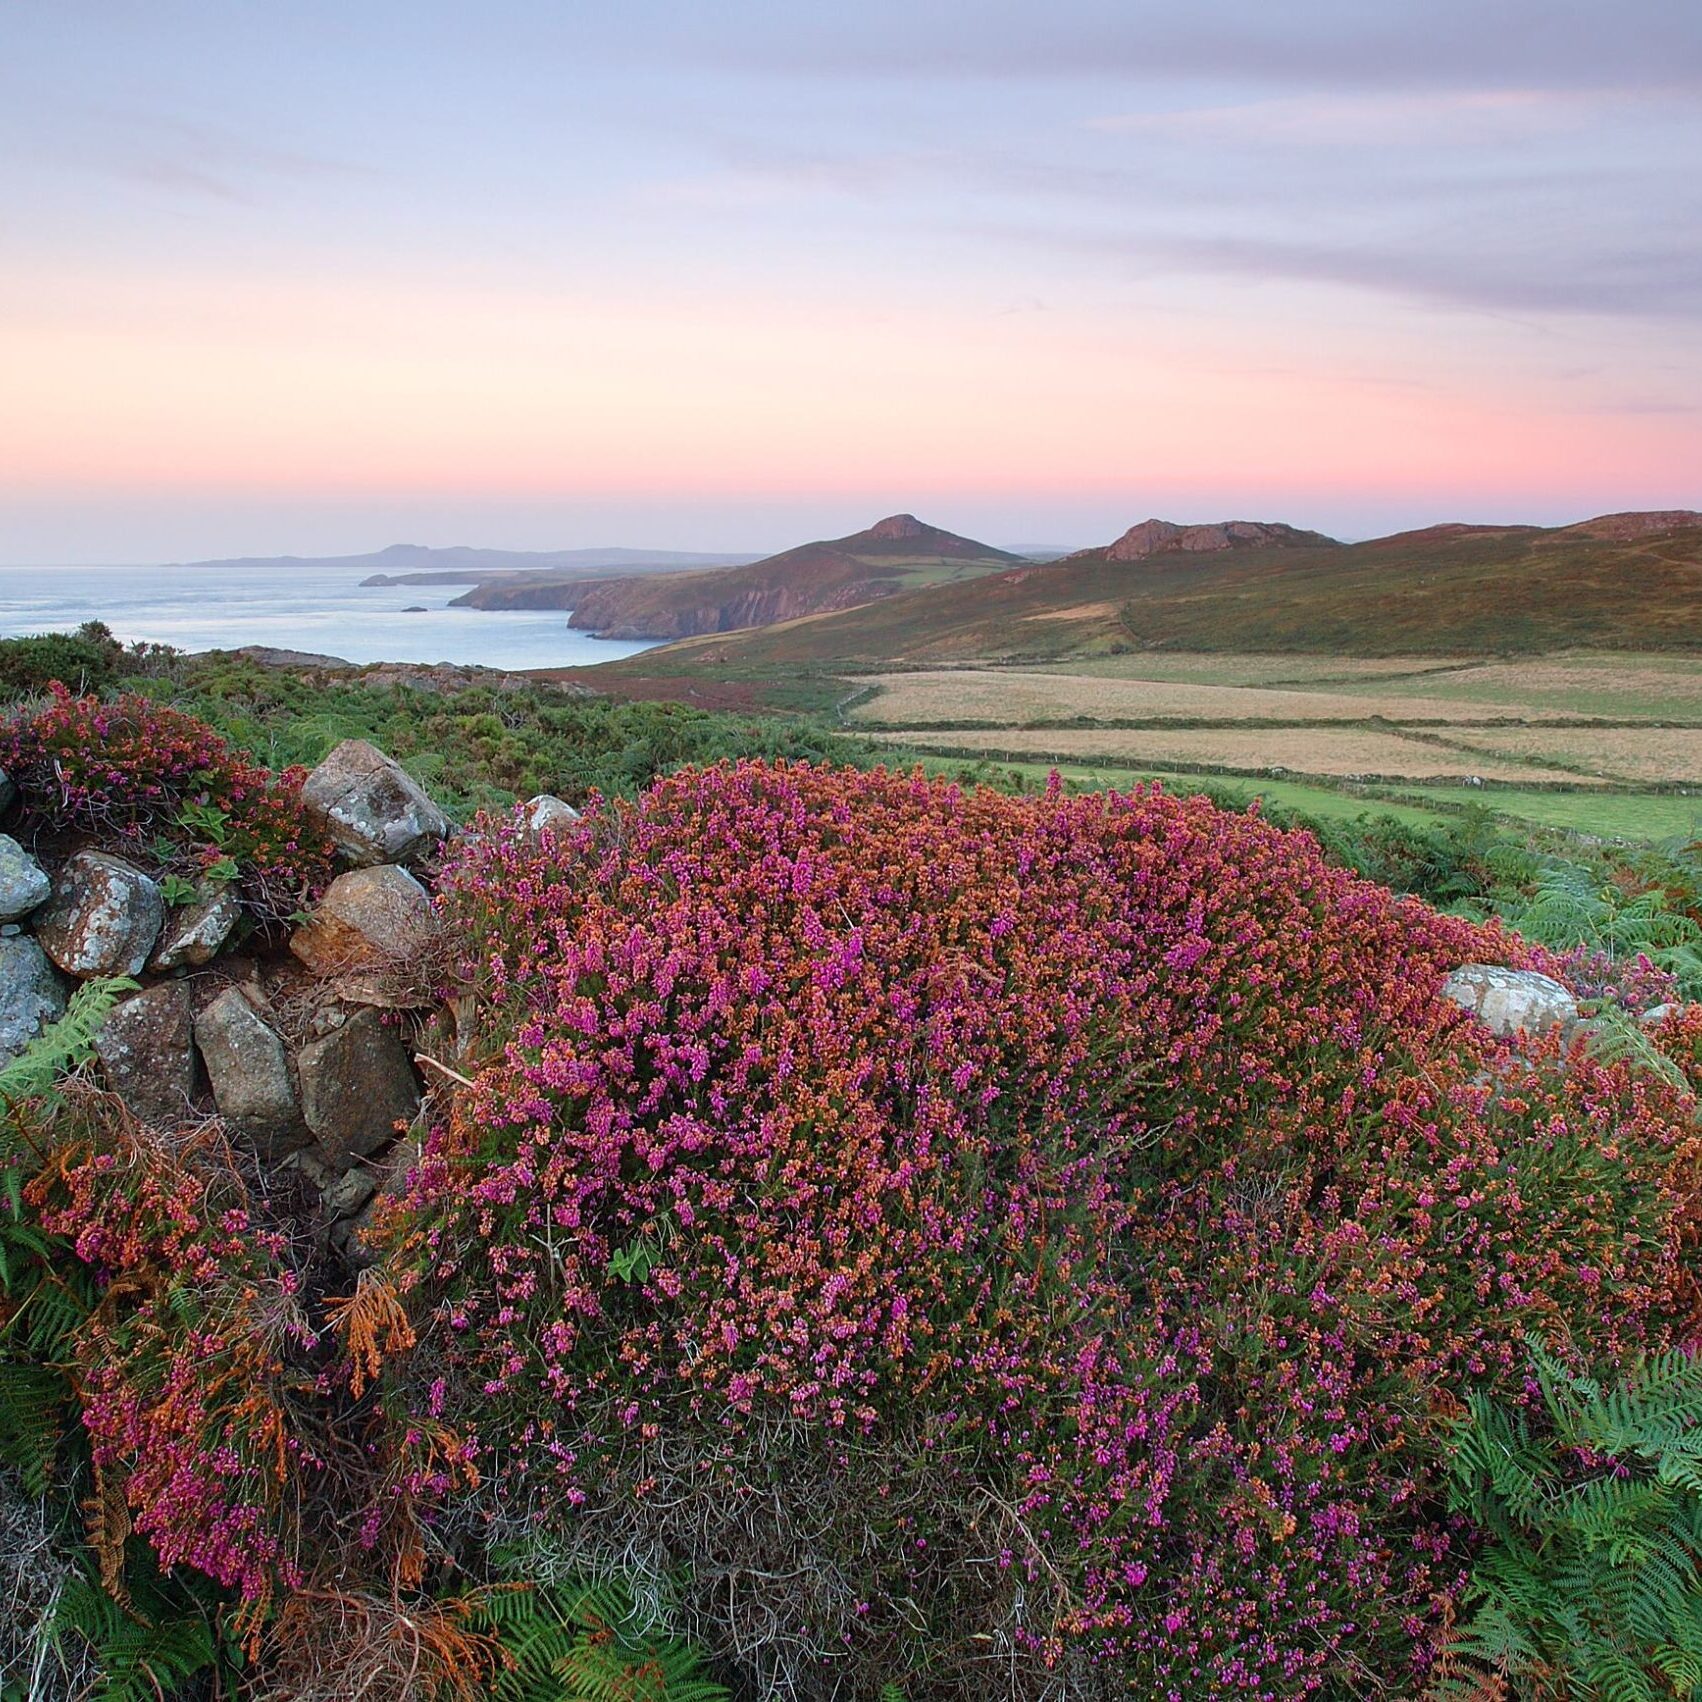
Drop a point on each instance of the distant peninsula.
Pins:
(462, 564)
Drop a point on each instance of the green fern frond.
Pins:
(588, 1643)
(32, 1412)
(63, 1044)
(142, 1655)
(1616, 1037)
(1590, 1581)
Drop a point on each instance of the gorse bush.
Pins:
(477, 745)
(85, 660)
(162, 787)
(1038, 1234)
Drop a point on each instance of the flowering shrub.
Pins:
(159, 785)
(1630, 983)
(188, 1363)
(1037, 1235)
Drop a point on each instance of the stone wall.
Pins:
(309, 1050)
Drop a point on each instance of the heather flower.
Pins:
(1089, 1197)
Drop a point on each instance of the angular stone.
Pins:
(147, 1048)
(368, 929)
(23, 882)
(1511, 1001)
(32, 994)
(545, 813)
(391, 1174)
(356, 1085)
(1655, 1015)
(194, 934)
(8, 792)
(250, 1075)
(103, 917)
(346, 1194)
(374, 810)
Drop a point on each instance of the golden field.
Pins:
(1337, 752)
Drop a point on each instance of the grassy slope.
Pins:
(1416, 595)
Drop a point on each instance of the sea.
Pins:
(321, 609)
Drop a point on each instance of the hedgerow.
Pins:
(1019, 1244)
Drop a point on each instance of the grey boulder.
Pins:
(373, 809)
(357, 1084)
(147, 1049)
(546, 813)
(195, 934)
(32, 994)
(1509, 1002)
(23, 882)
(103, 917)
(249, 1072)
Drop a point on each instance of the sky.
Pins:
(318, 277)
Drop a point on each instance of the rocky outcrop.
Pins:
(103, 918)
(1510, 1002)
(1628, 527)
(363, 935)
(1165, 537)
(249, 1071)
(147, 1049)
(373, 809)
(357, 1084)
(32, 993)
(196, 934)
(24, 885)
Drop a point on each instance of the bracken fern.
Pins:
(1591, 1501)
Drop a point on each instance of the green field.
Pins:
(1610, 815)
(1318, 801)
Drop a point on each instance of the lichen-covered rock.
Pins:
(24, 885)
(545, 813)
(249, 1071)
(373, 809)
(357, 1083)
(196, 933)
(1511, 1001)
(32, 994)
(370, 926)
(103, 917)
(147, 1049)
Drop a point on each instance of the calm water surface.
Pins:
(323, 609)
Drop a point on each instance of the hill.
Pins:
(1165, 537)
(896, 554)
(1617, 583)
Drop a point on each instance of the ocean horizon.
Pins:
(319, 609)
